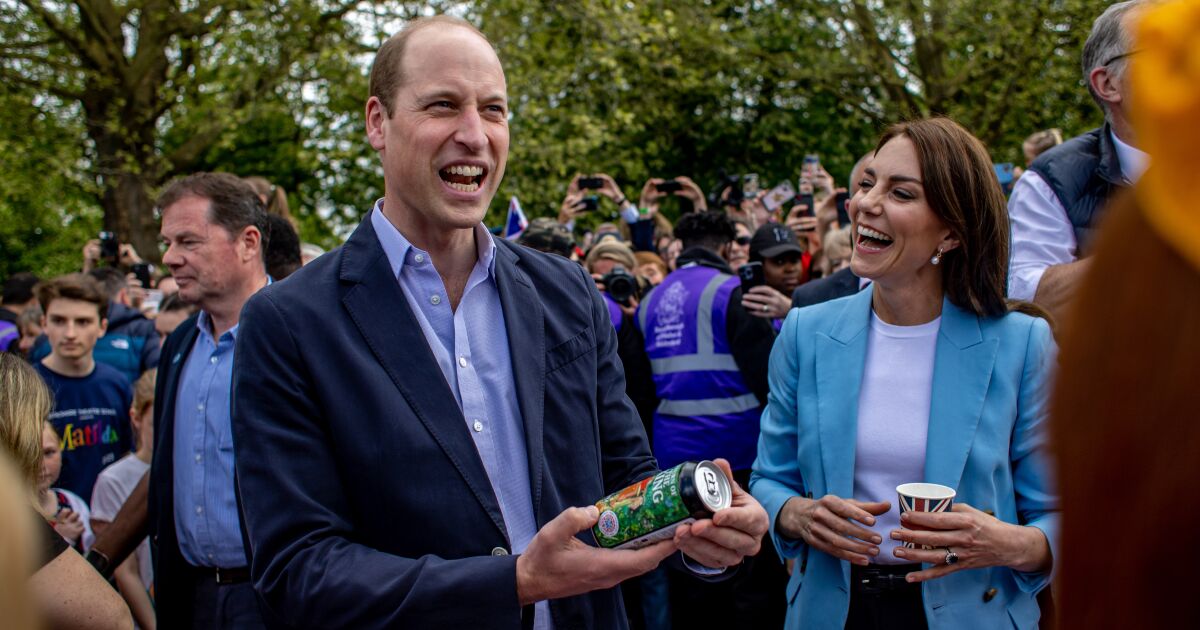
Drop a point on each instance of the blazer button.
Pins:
(989, 595)
(499, 551)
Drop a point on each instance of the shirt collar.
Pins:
(400, 250)
(1133, 162)
(204, 323)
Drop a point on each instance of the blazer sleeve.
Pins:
(305, 562)
(1037, 498)
(776, 474)
(624, 450)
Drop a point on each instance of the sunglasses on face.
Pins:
(742, 240)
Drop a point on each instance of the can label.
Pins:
(646, 512)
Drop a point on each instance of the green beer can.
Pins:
(650, 510)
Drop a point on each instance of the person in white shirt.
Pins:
(135, 576)
(1057, 202)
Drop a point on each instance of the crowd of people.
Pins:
(411, 430)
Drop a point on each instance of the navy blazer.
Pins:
(837, 284)
(365, 502)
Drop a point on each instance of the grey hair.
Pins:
(1107, 40)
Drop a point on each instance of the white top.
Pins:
(893, 419)
(113, 487)
(1042, 234)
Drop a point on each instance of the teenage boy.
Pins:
(91, 400)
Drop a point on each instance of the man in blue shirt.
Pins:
(421, 415)
(214, 228)
(91, 400)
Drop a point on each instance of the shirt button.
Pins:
(199, 510)
(499, 551)
(419, 258)
(200, 407)
(462, 361)
(435, 300)
(197, 458)
(478, 426)
(213, 360)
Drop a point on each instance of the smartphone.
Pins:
(779, 195)
(812, 164)
(590, 183)
(142, 271)
(153, 299)
(668, 186)
(587, 204)
(1004, 173)
(806, 199)
(109, 248)
(751, 275)
(843, 214)
(750, 184)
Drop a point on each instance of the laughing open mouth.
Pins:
(872, 239)
(463, 177)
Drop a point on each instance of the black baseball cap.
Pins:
(773, 239)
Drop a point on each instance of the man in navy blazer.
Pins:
(417, 413)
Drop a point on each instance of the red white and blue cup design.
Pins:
(924, 497)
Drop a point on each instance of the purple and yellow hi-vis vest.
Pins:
(706, 410)
(614, 311)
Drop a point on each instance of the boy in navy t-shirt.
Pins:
(91, 400)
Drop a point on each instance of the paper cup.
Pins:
(924, 497)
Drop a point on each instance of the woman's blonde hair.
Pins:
(25, 403)
(17, 550)
(143, 390)
(611, 250)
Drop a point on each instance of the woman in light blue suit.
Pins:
(924, 376)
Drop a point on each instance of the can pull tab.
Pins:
(710, 484)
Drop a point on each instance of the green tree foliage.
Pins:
(104, 101)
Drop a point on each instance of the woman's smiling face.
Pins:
(895, 231)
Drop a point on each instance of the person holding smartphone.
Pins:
(785, 266)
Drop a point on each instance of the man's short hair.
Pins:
(73, 286)
(1108, 39)
(387, 71)
(111, 281)
(18, 289)
(232, 203)
(173, 302)
(283, 252)
(710, 230)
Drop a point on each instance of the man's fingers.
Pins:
(731, 538)
(707, 552)
(613, 566)
(570, 522)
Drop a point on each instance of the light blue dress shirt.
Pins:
(206, 516)
(471, 348)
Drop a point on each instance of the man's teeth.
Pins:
(472, 187)
(868, 232)
(462, 169)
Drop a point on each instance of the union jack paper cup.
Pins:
(924, 497)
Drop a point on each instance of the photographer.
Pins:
(785, 266)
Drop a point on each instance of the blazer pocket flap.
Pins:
(569, 350)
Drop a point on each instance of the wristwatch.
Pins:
(100, 562)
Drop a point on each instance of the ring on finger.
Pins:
(951, 557)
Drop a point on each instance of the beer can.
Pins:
(650, 510)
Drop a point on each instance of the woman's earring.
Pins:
(937, 258)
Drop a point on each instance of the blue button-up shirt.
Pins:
(471, 347)
(206, 516)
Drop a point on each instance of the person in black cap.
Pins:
(547, 235)
(785, 267)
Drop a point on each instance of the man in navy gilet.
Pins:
(1056, 205)
(709, 360)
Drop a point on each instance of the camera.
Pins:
(587, 204)
(620, 285)
(592, 183)
(668, 186)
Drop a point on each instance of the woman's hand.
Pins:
(691, 191)
(69, 525)
(766, 302)
(611, 190)
(650, 195)
(978, 539)
(826, 524)
(569, 210)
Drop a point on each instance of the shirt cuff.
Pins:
(699, 569)
(630, 213)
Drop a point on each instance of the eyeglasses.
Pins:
(742, 240)
(1119, 57)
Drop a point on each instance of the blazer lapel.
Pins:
(524, 322)
(378, 308)
(839, 367)
(962, 371)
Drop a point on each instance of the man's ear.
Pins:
(1104, 83)
(103, 326)
(251, 240)
(376, 117)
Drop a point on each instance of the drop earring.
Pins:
(937, 258)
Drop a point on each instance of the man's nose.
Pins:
(470, 131)
(171, 258)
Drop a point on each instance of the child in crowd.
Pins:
(29, 325)
(65, 510)
(135, 576)
(91, 400)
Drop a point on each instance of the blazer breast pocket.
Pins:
(570, 350)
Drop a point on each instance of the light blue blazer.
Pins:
(986, 439)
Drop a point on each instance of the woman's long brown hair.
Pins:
(1125, 427)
